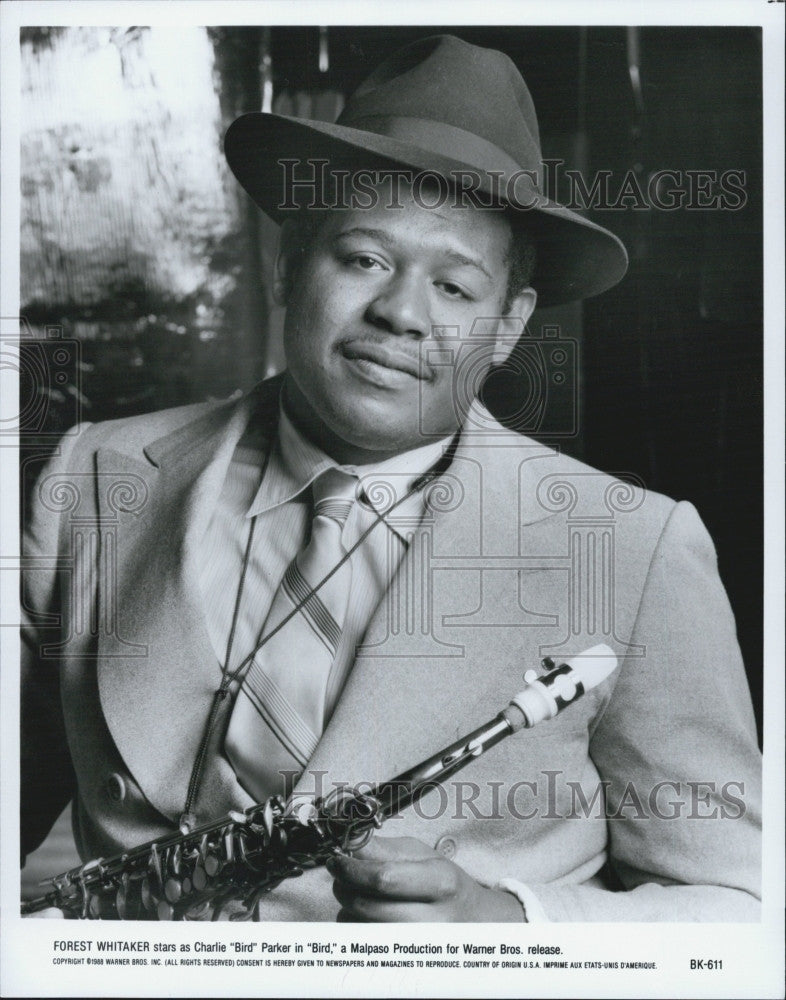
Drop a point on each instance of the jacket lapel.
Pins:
(154, 653)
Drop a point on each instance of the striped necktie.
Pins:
(279, 713)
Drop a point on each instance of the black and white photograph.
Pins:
(392, 443)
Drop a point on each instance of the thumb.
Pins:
(50, 913)
(382, 848)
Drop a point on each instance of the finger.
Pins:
(348, 917)
(363, 910)
(426, 881)
(399, 848)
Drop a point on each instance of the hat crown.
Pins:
(438, 106)
(444, 79)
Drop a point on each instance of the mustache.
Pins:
(390, 354)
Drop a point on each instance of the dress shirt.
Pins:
(280, 500)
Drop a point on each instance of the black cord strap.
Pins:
(188, 819)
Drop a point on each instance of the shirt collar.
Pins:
(295, 462)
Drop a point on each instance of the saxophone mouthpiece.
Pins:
(550, 693)
(593, 666)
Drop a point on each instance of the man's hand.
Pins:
(50, 913)
(400, 879)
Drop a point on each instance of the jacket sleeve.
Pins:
(47, 780)
(677, 747)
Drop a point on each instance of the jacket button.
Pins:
(116, 788)
(446, 846)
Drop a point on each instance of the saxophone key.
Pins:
(212, 865)
(154, 867)
(147, 897)
(102, 907)
(127, 900)
(199, 878)
(175, 859)
(173, 889)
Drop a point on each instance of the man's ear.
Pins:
(285, 262)
(511, 326)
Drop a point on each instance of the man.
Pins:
(326, 582)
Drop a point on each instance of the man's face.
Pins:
(376, 293)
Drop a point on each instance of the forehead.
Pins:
(423, 217)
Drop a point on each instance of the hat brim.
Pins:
(575, 257)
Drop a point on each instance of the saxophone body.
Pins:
(245, 855)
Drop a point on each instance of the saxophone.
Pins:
(245, 855)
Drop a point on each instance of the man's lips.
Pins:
(385, 355)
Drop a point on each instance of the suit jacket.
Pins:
(639, 802)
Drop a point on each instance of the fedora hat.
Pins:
(442, 106)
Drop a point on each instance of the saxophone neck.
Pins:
(410, 786)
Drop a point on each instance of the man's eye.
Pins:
(364, 261)
(454, 291)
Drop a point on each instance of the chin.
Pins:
(380, 430)
(379, 439)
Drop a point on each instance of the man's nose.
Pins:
(401, 307)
